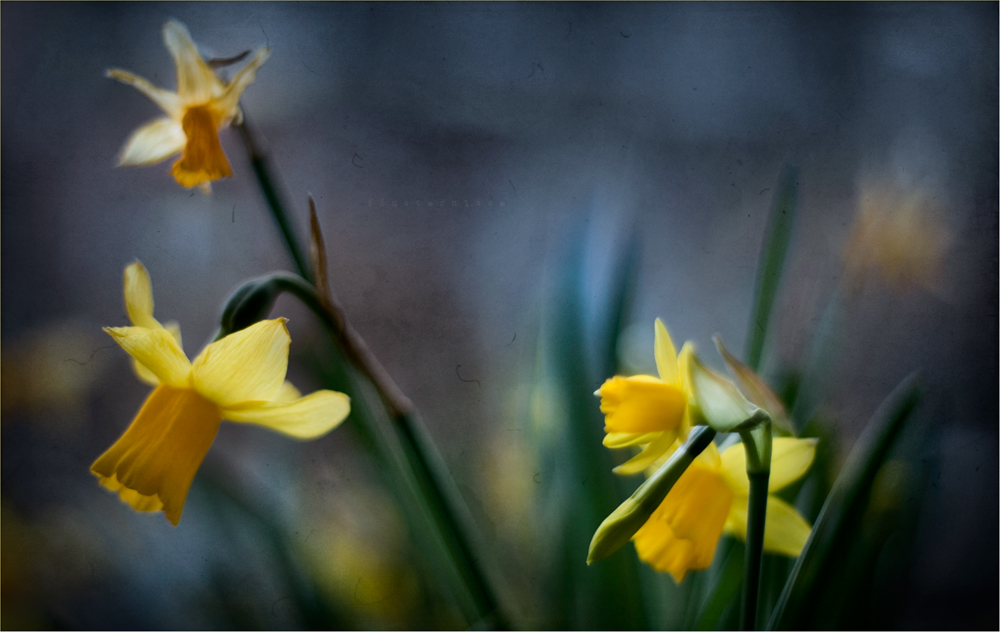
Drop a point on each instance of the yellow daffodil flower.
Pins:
(649, 411)
(711, 497)
(202, 105)
(897, 233)
(240, 378)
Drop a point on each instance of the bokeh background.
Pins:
(457, 153)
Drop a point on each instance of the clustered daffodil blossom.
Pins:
(240, 378)
(202, 105)
(711, 496)
(648, 411)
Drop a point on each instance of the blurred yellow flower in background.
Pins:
(47, 372)
(202, 105)
(240, 378)
(648, 411)
(711, 498)
(898, 234)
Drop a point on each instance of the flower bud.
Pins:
(721, 404)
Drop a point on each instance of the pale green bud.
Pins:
(722, 404)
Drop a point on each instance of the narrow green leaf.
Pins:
(771, 263)
(608, 595)
(835, 527)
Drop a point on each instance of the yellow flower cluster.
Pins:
(710, 498)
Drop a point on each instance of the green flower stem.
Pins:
(756, 514)
(449, 513)
(451, 516)
(757, 443)
(262, 169)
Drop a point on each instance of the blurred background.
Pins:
(460, 155)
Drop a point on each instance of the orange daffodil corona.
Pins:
(711, 496)
(202, 105)
(240, 378)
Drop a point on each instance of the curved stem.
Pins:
(261, 168)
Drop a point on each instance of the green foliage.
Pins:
(771, 263)
(832, 556)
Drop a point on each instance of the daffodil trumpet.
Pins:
(652, 412)
(240, 377)
(202, 105)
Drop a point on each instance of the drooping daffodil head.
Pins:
(240, 378)
(648, 411)
(202, 105)
(711, 498)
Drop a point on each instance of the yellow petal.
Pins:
(244, 367)
(152, 143)
(666, 355)
(138, 293)
(288, 393)
(683, 362)
(785, 531)
(203, 159)
(626, 439)
(790, 460)
(649, 454)
(153, 463)
(157, 350)
(167, 101)
(305, 418)
(144, 374)
(226, 104)
(640, 403)
(683, 532)
(196, 83)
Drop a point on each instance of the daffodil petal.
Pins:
(167, 101)
(138, 291)
(683, 360)
(157, 350)
(626, 439)
(288, 393)
(785, 531)
(152, 464)
(244, 367)
(144, 374)
(234, 90)
(666, 355)
(196, 83)
(305, 418)
(649, 454)
(152, 143)
(790, 460)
